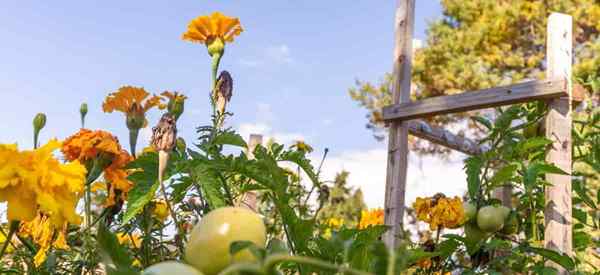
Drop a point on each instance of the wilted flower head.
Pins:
(223, 91)
(43, 233)
(35, 180)
(134, 103)
(164, 134)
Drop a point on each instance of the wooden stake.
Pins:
(249, 199)
(557, 212)
(398, 137)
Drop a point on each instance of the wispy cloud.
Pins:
(270, 55)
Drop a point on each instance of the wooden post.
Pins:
(398, 137)
(249, 199)
(557, 212)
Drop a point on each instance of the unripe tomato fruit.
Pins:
(470, 210)
(511, 224)
(473, 234)
(491, 218)
(170, 268)
(209, 242)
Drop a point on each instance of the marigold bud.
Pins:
(39, 121)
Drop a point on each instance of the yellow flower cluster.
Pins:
(440, 211)
(42, 232)
(35, 180)
(205, 29)
(371, 218)
(87, 145)
(133, 239)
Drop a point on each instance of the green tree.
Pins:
(485, 43)
(343, 202)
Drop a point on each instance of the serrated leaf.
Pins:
(145, 181)
(580, 215)
(532, 143)
(114, 252)
(473, 167)
(299, 158)
(581, 240)
(211, 186)
(230, 138)
(579, 189)
(504, 174)
(561, 259)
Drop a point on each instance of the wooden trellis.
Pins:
(403, 117)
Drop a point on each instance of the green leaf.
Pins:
(504, 174)
(563, 260)
(532, 143)
(299, 158)
(115, 253)
(537, 168)
(483, 121)
(145, 184)
(230, 138)
(473, 167)
(447, 247)
(277, 246)
(581, 240)
(579, 189)
(211, 185)
(580, 215)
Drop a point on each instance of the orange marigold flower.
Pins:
(371, 218)
(87, 145)
(205, 29)
(134, 103)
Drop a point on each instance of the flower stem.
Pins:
(133, 136)
(14, 225)
(36, 134)
(274, 260)
(163, 159)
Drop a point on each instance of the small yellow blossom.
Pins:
(332, 224)
(35, 180)
(133, 239)
(205, 29)
(371, 218)
(440, 211)
(161, 211)
(302, 146)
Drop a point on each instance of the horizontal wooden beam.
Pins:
(468, 101)
(442, 137)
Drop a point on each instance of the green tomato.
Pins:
(209, 242)
(491, 218)
(473, 234)
(511, 224)
(170, 268)
(470, 210)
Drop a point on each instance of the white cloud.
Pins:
(270, 55)
(246, 129)
(426, 176)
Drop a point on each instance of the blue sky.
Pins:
(292, 67)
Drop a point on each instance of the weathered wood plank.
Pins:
(250, 198)
(557, 213)
(395, 186)
(445, 138)
(486, 98)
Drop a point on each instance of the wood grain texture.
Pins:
(422, 129)
(250, 198)
(557, 213)
(395, 186)
(475, 100)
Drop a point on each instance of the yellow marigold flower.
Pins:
(440, 212)
(87, 145)
(41, 231)
(133, 239)
(161, 211)
(32, 180)
(335, 223)
(205, 29)
(371, 218)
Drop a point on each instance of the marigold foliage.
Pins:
(41, 182)
(205, 29)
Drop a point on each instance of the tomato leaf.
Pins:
(473, 167)
(561, 259)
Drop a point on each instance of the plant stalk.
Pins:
(14, 225)
(133, 136)
(163, 159)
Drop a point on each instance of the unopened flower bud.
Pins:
(39, 121)
(181, 146)
(83, 110)
(215, 46)
(135, 121)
